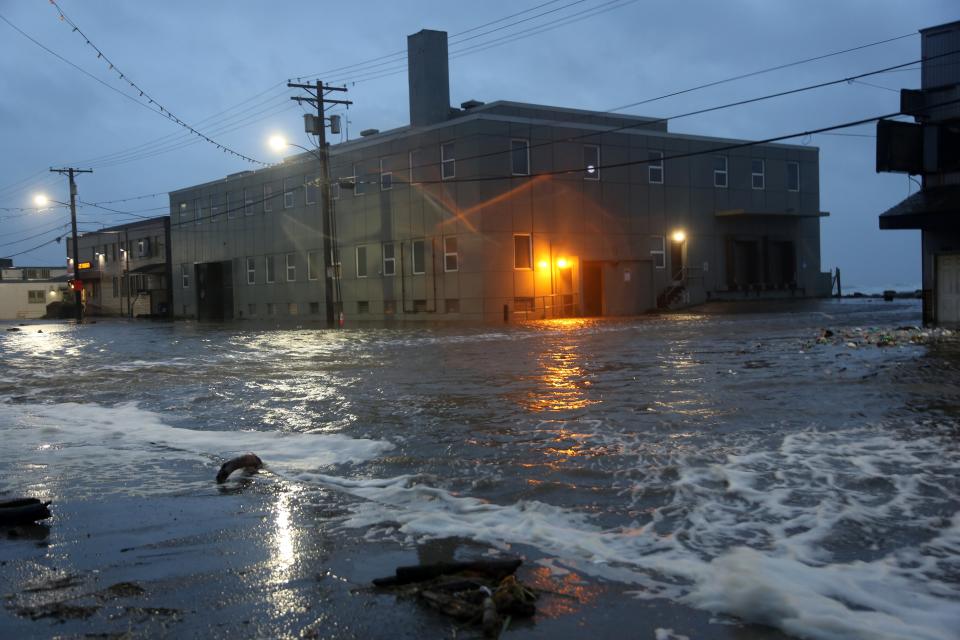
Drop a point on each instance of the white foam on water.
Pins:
(844, 534)
(121, 441)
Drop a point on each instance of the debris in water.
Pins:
(248, 462)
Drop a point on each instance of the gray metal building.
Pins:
(502, 210)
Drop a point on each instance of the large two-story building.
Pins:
(501, 210)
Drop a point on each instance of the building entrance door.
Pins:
(214, 291)
(676, 259)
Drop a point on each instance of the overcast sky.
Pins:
(222, 67)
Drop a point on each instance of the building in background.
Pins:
(501, 211)
(25, 292)
(930, 147)
(125, 269)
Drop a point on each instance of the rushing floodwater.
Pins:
(722, 461)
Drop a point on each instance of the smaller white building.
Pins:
(25, 292)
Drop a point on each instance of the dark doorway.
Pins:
(743, 260)
(592, 289)
(676, 259)
(214, 291)
(782, 265)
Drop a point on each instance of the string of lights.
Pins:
(145, 95)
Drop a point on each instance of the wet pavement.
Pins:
(720, 473)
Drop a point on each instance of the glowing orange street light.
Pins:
(543, 264)
(679, 235)
(562, 263)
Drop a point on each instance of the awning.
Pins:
(157, 268)
(742, 213)
(926, 209)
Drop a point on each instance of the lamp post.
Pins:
(41, 201)
(331, 261)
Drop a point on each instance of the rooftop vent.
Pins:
(470, 104)
(369, 132)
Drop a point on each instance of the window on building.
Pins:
(591, 162)
(288, 191)
(389, 259)
(270, 273)
(451, 305)
(363, 307)
(720, 172)
(216, 206)
(202, 211)
(758, 174)
(313, 265)
(310, 184)
(36, 297)
(185, 275)
(361, 261)
(143, 248)
(448, 162)
(418, 249)
(386, 176)
(247, 202)
(451, 258)
(415, 169)
(251, 270)
(522, 252)
(655, 167)
(793, 176)
(658, 252)
(268, 197)
(357, 180)
(291, 267)
(232, 207)
(520, 157)
(184, 212)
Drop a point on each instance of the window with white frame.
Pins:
(143, 248)
(184, 212)
(591, 162)
(313, 265)
(362, 261)
(522, 252)
(757, 174)
(36, 296)
(418, 249)
(658, 252)
(720, 172)
(185, 275)
(386, 176)
(451, 257)
(389, 259)
(251, 270)
(448, 161)
(793, 176)
(655, 167)
(291, 267)
(415, 170)
(204, 211)
(247, 202)
(288, 193)
(310, 184)
(357, 180)
(216, 206)
(267, 197)
(269, 271)
(520, 157)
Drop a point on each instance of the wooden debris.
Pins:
(248, 462)
(23, 511)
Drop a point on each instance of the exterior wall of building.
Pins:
(28, 299)
(453, 228)
(129, 269)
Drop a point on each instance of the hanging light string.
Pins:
(144, 95)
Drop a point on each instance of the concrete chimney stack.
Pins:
(428, 77)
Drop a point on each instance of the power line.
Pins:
(144, 94)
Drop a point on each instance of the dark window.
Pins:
(419, 259)
(522, 258)
(520, 157)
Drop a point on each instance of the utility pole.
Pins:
(317, 97)
(77, 295)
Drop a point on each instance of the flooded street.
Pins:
(720, 466)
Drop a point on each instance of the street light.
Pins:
(41, 200)
(328, 221)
